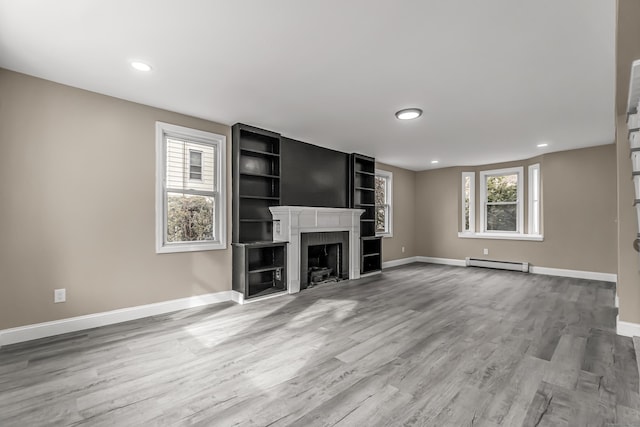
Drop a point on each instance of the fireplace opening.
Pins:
(324, 257)
(324, 263)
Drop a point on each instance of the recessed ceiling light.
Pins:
(435, 162)
(409, 113)
(544, 144)
(141, 66)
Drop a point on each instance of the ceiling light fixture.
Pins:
(435, 162)
(544, 144)
(141, 66)
(409, 113)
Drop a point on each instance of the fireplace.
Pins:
(293, 222)
(322, 257)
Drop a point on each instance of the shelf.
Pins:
(260, 244)
(365, 189)
(260, 197)
(262, 175)
(269, 268)
(256, 220)
(365, 205)
(367, 220)
(366, 173)
(259, 152)
(369, 255)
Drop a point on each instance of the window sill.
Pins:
(502, 236)
(193, 247)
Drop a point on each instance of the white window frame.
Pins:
(534, 198)
(472, 202)
(164, 130)
(389, 202)
(520, 202)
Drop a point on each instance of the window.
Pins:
(190, 189)
(501, 196)
(383, 203)
(534, 199)
(468, 202)
(501, 204)
(195, 165)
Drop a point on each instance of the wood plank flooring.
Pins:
(422, 345)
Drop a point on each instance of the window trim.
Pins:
(389, 202)
(534, 227)
(520, 202)
(472, 202)
(220, 191)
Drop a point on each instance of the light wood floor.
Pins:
(423, 345)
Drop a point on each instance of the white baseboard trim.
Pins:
(237, 297)
(627, 329)
(445, 261)
(616, 301)
(576, 274)
(73, 324)
(399, 262)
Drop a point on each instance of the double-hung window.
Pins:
(502, 201)
(190, 189)
(383, 203)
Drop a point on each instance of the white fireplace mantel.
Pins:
(291, 221)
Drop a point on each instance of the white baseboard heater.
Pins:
(502, 265)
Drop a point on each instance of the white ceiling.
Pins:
(494, 77)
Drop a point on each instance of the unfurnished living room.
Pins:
(320, 213)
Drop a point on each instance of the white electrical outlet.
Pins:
(403, 249)
(485, 251)
(59, 295)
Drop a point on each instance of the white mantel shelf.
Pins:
(291, 221)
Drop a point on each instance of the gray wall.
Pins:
(404, 214)
(578, 213)
(77, 181)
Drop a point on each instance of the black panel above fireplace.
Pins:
(313, 176)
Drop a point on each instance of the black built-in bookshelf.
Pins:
(256, 183)
(259, 269)
(363, 176)
(259, 264)
(371, 254)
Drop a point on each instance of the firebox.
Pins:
(324, 257)
(323, 263)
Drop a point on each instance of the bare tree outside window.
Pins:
(381, 190)
(383, 202)
(189, 218)
(467, 195)
(502, 203)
